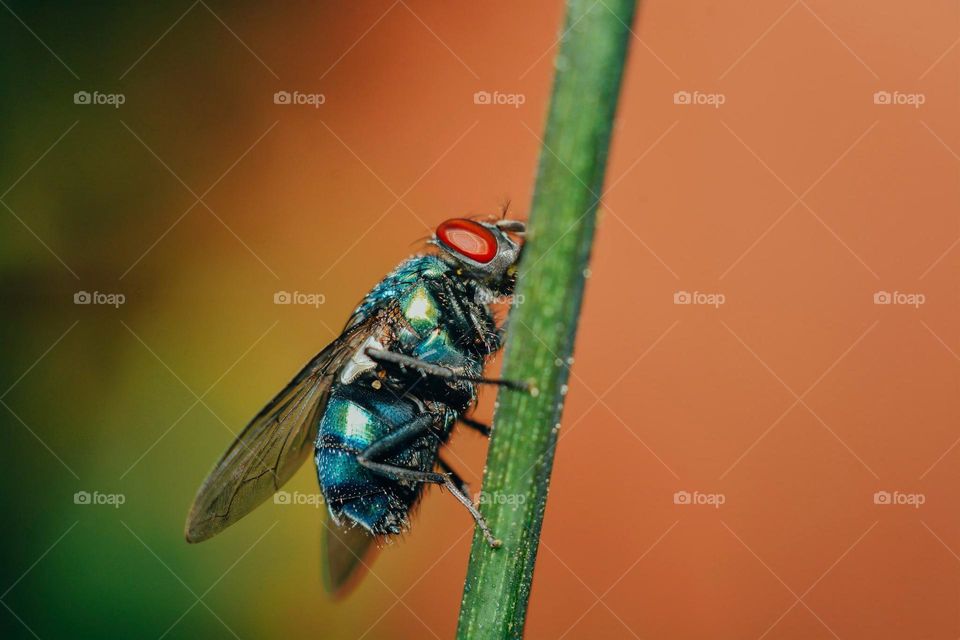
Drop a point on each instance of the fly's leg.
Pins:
(438, 371)
(416, 427)
(404, 434)
(476, 425)
(454, 476)
(427, 477)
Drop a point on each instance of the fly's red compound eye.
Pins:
(468, 238)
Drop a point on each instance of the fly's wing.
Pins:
(346, 553)
(274, 445)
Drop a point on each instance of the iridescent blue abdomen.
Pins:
(355, 418)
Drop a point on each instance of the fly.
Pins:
(375, 407)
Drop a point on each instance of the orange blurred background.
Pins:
(787, 192)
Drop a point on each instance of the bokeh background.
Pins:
(797, 199)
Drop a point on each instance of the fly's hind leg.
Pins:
(457, 480)
(439, 371)
(476, 425)
(427, 477)
(370, 456)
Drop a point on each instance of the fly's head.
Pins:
(484, 251)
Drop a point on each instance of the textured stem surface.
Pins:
(542, 328)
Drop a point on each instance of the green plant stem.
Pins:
(542, 329)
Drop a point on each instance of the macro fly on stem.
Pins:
(376, 405)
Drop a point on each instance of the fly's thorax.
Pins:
(435, 318)
(408, 273)
(421, 308)
(499, 283)
(443, 322)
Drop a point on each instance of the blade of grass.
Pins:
(541, 333)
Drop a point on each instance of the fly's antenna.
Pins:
(504, 209)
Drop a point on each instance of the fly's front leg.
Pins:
(371, 456)
(438, 371)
